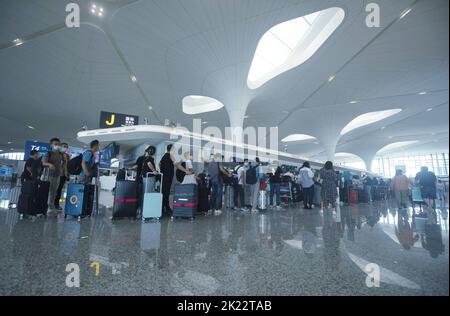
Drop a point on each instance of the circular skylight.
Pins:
(368, 118)
(196, 104)
(297, 138)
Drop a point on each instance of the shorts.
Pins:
(428, 193)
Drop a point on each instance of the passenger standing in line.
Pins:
(440, 187)
(189, 177)
(216, 172)
(64, 175)
(53, 161)
(317, 190)
(239, 188)
(149, 171)
(367, 181)
(306, 177)
(32, 168)
(275, 180)
(427, 181)
(167, 168)
(256, 186)
(88, 163)
(400, 186)
(329, 186)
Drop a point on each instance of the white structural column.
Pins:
(237, 122)
(330, 150)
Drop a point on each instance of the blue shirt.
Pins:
(88, 158)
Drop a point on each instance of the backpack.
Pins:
(74, 165)
(250, 175)
(180, 174)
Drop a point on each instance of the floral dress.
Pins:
(329, 192)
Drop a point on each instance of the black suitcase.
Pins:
(125, 199)
(185, 201)
(203, 199)
(33, 198)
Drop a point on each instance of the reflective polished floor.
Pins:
(287, 252)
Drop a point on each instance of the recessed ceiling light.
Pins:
(30, 127)
(246, 116)
(204, 122)
(101, 9)
(35, 141)
(94, 6)
(1, 150)
(422, 93)
(404, 13)
(317, 143)
(331, 78)
(429, 109)
(150, 107)
(92, 10)
(383, 127)
(18, 41)
(353, 102)
(100, 14)
(9, 143)
(11, 149)
(433, 134)
(133, 78)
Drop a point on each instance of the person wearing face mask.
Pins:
(53, 160)
(64, 175)
(189, 178)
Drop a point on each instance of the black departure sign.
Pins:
(108, 120)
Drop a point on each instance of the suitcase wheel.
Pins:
(172, 218)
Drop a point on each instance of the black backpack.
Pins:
(74, 165)
(180, 174)
(250, 175)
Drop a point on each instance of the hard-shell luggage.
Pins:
(33, 198)
(152, 205)
(125, 199)
(297, 193)
(79, 200)
(262, 200)
(150, 236)
(420, 223)
(185, 201)
(229, 197)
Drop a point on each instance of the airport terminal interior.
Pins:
(224, 147)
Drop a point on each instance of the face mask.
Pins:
(55, 147)
(63, 149)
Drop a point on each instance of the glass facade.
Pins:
(386, 166)
(12, 156)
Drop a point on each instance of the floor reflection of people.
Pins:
(309, 236)
(331, 240)
(404, 232)
(432, 239)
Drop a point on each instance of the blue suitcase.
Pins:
(152, 205)
(79, 200)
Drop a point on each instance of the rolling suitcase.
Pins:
(33, 198)
(152, 205)
(79, 200)
(185, 201)
(125, 199)
(14, 197)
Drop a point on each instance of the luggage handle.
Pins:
(45, 174)
(146, 181)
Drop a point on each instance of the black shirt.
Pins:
(139, 164)
(34, 165)
(145, 167)
(167, 166)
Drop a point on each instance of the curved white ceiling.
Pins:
(291, 43)
(59, 79)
